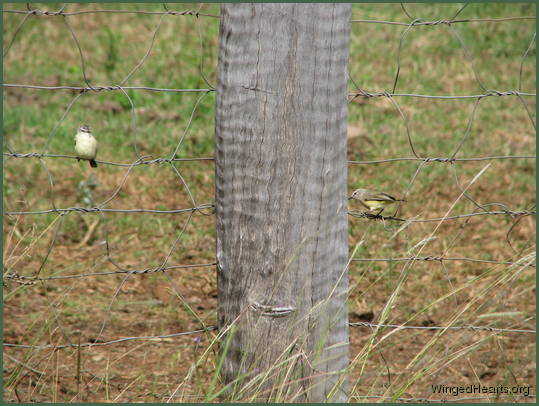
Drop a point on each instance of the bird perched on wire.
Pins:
(86, 145)
(374, 200)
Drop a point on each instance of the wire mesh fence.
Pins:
(94, 257)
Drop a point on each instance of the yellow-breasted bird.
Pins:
(374, 200)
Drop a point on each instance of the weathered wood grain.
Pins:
(282, 227)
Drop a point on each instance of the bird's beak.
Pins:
(350, 198)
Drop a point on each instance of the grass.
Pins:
(394, 364)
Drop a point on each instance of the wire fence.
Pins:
(213, 328)
(16, 269)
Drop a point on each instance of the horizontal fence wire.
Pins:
(37, 12)
(215, 328)
(363, 93)
(438, 328)
(210, 206)
(99, 209)
(443, 160)
(109, 88)
(207, 208)
(442, 259)
(488, 93)
(511, 213)
(169, 160)
(115, 341)
(14, 276)
(136, 163)
(416, 22)
(419, 22)
(25, 280)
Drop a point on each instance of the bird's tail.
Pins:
(93, 163)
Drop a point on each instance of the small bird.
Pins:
(86, 145)
(374, 200)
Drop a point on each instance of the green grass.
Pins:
(433, 62)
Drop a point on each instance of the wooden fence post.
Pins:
(282, 226)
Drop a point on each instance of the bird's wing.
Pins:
(385, 197)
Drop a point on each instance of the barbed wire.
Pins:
(356, 214)
(108, 88)
(198, 14)
(136, 163)
(215, 328)
(170, 160)
(115, 341)
(442, 259)
(32, 280)
(49, 13)
(419, 22)
(489, 93)
(511, 213)
(362, 93)
(442, 159)
(26, 280)
(437, 328)
(99, 209)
